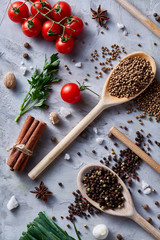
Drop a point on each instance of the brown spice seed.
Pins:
(119, 237)
(27, 45)
(149, 219)
(145, 206)
(26, 56)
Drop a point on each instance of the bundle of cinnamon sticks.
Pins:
(29, 136)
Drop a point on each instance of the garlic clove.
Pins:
(100, 231)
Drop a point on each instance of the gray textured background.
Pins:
(11, 55)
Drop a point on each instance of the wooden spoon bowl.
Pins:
(127, 211)
(105, 102)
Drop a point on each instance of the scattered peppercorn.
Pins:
(157, 18)
(119, 237)
(27, 45)
(156, 203)
(149, 219)
(26, 56)
(155, 14)
(158, 216)
(145, 206)
(60, 184)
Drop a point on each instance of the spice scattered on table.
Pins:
(108, 194)
(130, 77)
(12, 203)
(149, 100)
(100, 16)
(145, 206)
(9, 80)
(25, 143)
(42, 192)
(119, 237)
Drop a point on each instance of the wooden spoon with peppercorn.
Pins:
(87, 185)
(110, 97)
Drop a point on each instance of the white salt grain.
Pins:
(67, 157)
(99, 140)
(31, 67)
(120, 25)
(22, 63)
(65, 112)
(13, 203)
(144, 185)
(23, 70)
(125, 33)
(95, 130)
(147, 191)
(78, 65)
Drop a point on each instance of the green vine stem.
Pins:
(50, 19)
(83, 87)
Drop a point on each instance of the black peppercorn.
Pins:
(26, 45)
(155, 14)
(157, 18)
(25, 55)
(119, 237)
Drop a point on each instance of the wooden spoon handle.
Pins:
(140, 16)
(146, 226)
(135, 148)
(51, 156)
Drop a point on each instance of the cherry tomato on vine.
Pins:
(65, 44)
(50, 30)
(61, 9)
(18, 11)
(70, 93)
(74, 23)
(43, 6)
(31, 27)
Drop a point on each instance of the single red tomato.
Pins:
(70, 93)
(65, 44)
(76, 24)
(18, 11)
(43, 6)
(50, 30)
(31, 27)
(61, 10)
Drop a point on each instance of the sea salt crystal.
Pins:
(13, 203)
(99, 140)
(65, 112)
(23, 70)
(125, 33)
(147, 191)
(22, 63)
(144, 185)
(95, 130)
(120, 25)
(31, 67)
(78, 65)
(67, 157)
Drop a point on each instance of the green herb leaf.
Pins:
(40, 86)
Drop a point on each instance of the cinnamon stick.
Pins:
(24, 130)
(23, 158)
(12, 160)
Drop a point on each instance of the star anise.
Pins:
(42, 192)
(99, 15)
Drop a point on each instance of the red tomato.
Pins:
(18, 11)
(70, 93)
(31, 27)
(61, 9)
(76, 24)
(43, 6)
(50, 31)
(65, 44)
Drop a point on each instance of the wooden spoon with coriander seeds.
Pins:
(128, 210)
(105, 102)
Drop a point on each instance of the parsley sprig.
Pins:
(40, 86)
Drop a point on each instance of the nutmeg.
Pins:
(9, 80)
(54, 117)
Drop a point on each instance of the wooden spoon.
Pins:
(106, 101)
(127, 211)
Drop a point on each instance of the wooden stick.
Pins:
(23, 158)
(23, 132)
(140, 16)
(144, 156)
(26, 137)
